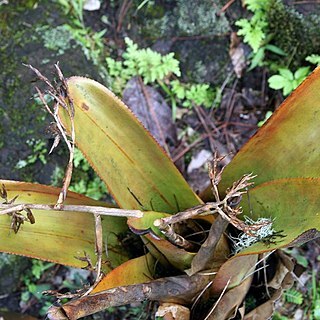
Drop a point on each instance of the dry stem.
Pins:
(62, 99)
(7, 209)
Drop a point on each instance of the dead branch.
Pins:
(181, 289)
(226, 207)
(7, 209)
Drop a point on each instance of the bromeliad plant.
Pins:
(184, 233)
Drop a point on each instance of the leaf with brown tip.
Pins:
(136, 170)
(59, 236)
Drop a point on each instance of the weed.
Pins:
(159, 69)
(287, 80)
(34, 289)
(91, 42)
(314, 59)
(254, 30)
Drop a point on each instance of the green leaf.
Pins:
(301, 73)
(314, 58)
(257, 58)
(286, 73)
(277, 82)
(275, 49)
(293, 296)
(135, 169)
(59, 236)
(288, 87)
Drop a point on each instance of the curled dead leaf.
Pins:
(172, 311)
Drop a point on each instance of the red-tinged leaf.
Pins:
(134, 271)
(136, 170)
(293, 205)
(59, 236)
(287, 145)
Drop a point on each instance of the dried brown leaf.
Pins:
(173, 311)
(231, 301)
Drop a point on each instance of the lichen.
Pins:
(200, 17)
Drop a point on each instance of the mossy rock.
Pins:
(295, 33)
(29, 34)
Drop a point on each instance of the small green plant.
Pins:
(159, 69)
(256, 33)
(148, 64)
(287, 80)
(293, 296)
(258, 58)
(91, 42)
(254, 30)
(314, 59)
(193, 94)
(34, 289)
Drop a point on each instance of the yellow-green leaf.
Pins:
(59, 236)
(293, 205)
(136, 170)
(134, 271)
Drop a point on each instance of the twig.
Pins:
(217, 302)
(225, 7)
(7, 209)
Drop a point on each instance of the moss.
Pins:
(296, 34)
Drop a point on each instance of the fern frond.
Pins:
(293, 296)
